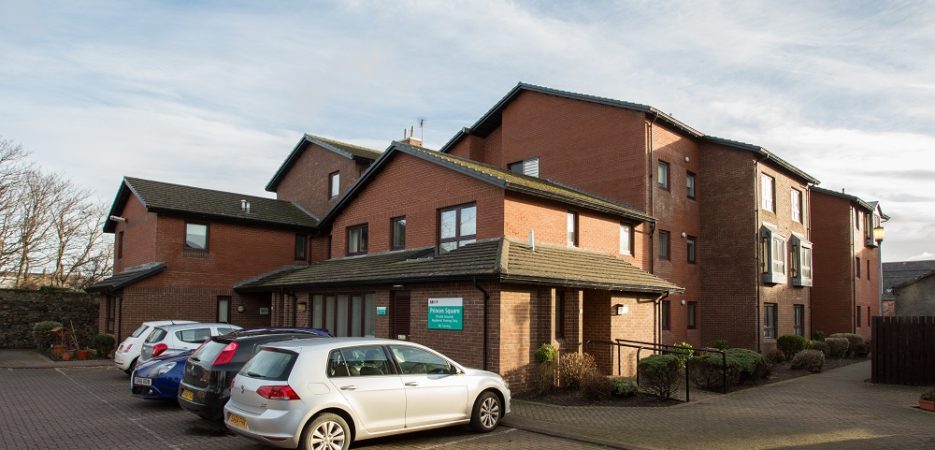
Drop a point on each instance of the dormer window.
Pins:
(772, 255)
(529, 167)
(800, 261)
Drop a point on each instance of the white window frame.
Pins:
(626, 239)
(795, 201)
(801, 251)
(773, 248)
(767, 196)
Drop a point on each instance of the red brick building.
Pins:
(847, 291)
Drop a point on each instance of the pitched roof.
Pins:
(501, 259)
(502, 178)
(160, 197)
(127, 277)
(344, 149)
(867, 206)
(490, 120)
(897, 274)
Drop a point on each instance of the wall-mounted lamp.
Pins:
(683, 302)
(241, 308)
(684, 235)
(301, 307)
(686, 159)
(878, 233)
(620, 310)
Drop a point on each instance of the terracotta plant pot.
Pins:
(57, 350)
(82, 355)
(66, 356)
(927, 405)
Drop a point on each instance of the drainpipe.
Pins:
(853, 278)
(486, 301)
(756, 249)
(119, 300)
(650, 206)
(657, 317)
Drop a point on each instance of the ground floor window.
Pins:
(559, 314)
(344, 315)
(111, 313)
(666, 314)
(769, 325)
(224, 309)
(692, 315)
(798, 323)
(857, 317)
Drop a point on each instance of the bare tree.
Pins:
(38, 193)
(12, 170)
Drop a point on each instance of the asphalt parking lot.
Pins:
(92, 408)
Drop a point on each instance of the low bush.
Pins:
(573, 368)
(791, 345)
(683, 351)
(103, 344)
(752, 365)
(821, 346)
(42, 334)
(625, 388)
(837, 347)
(721, 344)
(546, 353)
(659, 374)
(928, 395)
(852, 340)
(545, 377)
(861, 350)
(818, 335)
(596, 386)
(811, 360)
(775, 356)
(706, 371)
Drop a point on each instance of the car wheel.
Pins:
(131, 366)
(487, 412)
(326, 432)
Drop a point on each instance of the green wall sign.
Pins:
(446, 314)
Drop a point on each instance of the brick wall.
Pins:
(833, 290)
(306, 183)
(602, 323)
(139, 236)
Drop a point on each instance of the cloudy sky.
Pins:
(216, 94)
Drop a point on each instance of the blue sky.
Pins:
(215, 94)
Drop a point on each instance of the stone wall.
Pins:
(19, 310)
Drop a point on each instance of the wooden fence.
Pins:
(904, 350)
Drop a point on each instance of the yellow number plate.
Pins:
(187, 395)
(237, 421)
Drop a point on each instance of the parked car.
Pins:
(328, 393)
(129, 350)
(158, 378)
(205, 386)
(174, 339)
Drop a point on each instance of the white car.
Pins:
(129, 350)
(167, 340)
(328, 393)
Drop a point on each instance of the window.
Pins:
(798, 320)
(769, 325)
(415, 361)
(398, 233)
(662, 171)
(868, 316)
(800, 261)
(357, 240)
(196, 236)
(224, 309)
(366, 361)
(344, 315)
(857, 316)
(857, 266)
(120, 245)
(868, 269)
(665, 315)
(528, 167)
(690, 244)
(796, 205)
(559, 314)
(194, 336)
(334, 184)
(112, 315)
(626, 239)
(767, 192)
(663, 244)
(270, 365)
(571, 227)
(690, 184)
(773, 255)
(692, 315)
(457, 227)
(301, 247)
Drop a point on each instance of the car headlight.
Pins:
(164, 368)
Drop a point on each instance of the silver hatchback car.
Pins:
(327, 393)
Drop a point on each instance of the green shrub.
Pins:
(573, 368)
(752, 365)
(596, 386)
(683, 351)
(42, 334)
(821, 346)
(625, 388)
(721, 344)
(928, 395)
(852, 339)
(546, 353)
(659, 374)
(774, 356)
(861, 350)
(791, 345)
(837, 347)
(545, 377)
(818, 335)
(811, 360)
(706, 371)
(103, 344)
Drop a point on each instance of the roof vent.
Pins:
(245, 206)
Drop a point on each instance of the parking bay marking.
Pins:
(472, 438)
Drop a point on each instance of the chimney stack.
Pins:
(410, 138)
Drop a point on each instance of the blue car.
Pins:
(158, 378)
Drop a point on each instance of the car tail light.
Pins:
(227, 354)
(127, 349)
(158, 349)
(277, 393)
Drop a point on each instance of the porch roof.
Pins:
(127, 277)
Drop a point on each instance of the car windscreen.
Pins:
(270, 365)
(209, 352)
(139, 331)
(157, 335)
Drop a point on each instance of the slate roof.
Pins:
(501, 259)
(502, 178)
(867, 206)
(489, 121)
(160, 197)
(897, 274)
(127, 277)
(344, 149)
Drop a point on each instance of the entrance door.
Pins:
(399, 315)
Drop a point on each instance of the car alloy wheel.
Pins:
(327, 432)
(486, 414)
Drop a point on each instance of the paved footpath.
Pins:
(835, 409)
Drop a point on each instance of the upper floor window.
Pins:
(772, 255)
(457, 227)
(800, 261)
(626, 239)
(767, 192)
(571, 228)
(528, 167)
(398, 233)
(857, 266)
(691, 248)
(334, 184)
(664, 244)
(690, 184)
(357, 240)
(301, 247)
(196, 236)
(796, 205)
(662, 174)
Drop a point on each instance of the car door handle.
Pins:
(412, 383)
(349, 387)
